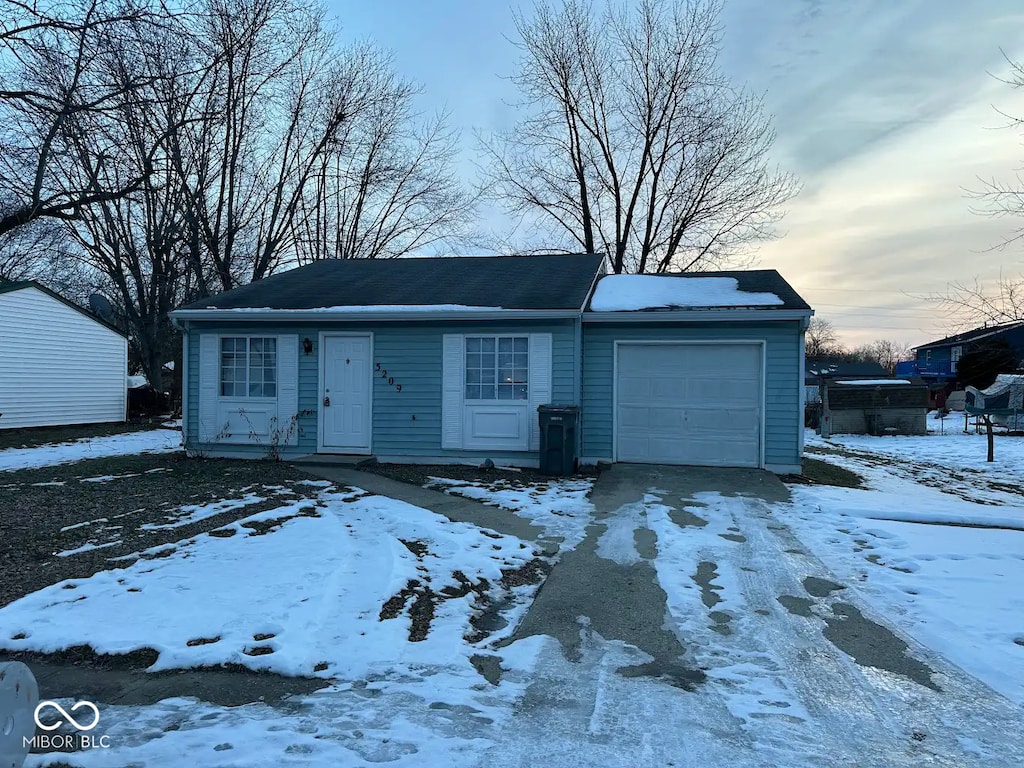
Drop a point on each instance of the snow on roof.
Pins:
(371, 308)
(875, 382)
(625, 293)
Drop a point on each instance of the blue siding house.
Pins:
(937, 360)
(447, 360)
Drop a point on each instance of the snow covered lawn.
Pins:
(936, 537)
(330, 586)
(560, 507)
(126, 444)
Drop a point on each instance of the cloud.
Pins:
(884, 109)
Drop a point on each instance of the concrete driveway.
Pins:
(691, 627)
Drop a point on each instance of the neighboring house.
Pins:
(447, 360)
(59, 364)
(937, 361)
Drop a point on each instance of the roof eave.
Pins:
(292, 315)
(743, 314)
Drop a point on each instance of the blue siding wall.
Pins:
(783, 420)
(411, 355)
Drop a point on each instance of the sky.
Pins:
(885, 109)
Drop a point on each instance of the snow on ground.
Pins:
(128, 443)
(320, 573)
(193, 513)
(946, 446)
(955, 589)
(560, 507)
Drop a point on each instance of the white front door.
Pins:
(345, 402)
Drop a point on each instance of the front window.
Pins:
(497, 367)
(248, 367)
(954, 357)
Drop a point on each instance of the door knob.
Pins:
(327, 401)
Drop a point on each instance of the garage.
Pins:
(689, 403)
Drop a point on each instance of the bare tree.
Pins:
(314, 152)
(971, 305)
(635, 143)
(885, 352)
(821, 338)
(50, 64)
(386, 187)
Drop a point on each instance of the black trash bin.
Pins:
(558, 424)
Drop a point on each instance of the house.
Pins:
(936, 361)
(447, 360)
(59, 364)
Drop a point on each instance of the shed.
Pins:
(874, 407)
(59, 364)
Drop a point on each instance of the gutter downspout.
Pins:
(577, 330)
(184, 384)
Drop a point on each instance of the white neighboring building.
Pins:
(58, 363)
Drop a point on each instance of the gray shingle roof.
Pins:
(754, 281)
(556, 282)
(972, 335)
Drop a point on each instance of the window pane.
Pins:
(256, 346)
(504, 391)
(505, 375)
(521, 393)
(270, 374)
(270, 389)
(487, 361)
(487, 345)
(472, 375)
(521, 361)
(487, 376)
(505, 359)
(472, 344)
(522, 344)
(487, 392)
(472, 361)
(521, 376)
(472, 391)
(505, 345)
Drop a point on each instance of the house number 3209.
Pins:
(390, 379)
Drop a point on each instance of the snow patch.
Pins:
(126, 444)
(624, 293)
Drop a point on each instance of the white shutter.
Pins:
(452, 377)
(209, 386)
(540, 382)
(288, 385)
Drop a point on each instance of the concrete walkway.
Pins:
(625, 601)
(455, 508)
(795, 671)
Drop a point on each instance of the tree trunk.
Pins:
(991, 440)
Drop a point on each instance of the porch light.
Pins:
(307, 345)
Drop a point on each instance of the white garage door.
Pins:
(694, 404)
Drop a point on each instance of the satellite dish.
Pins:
(100, 306)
